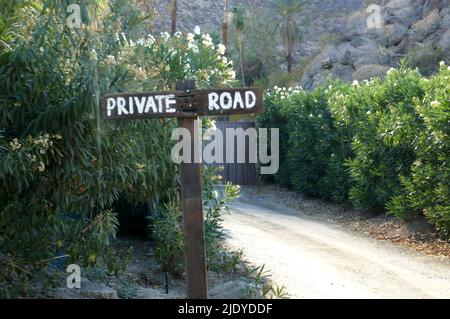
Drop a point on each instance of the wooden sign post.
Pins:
(187, 104)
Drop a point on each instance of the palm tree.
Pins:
(225, 23)
(174, 16)
(239, 25)
(289, 27)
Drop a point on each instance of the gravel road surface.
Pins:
(315, 258)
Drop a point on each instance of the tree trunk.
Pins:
(241, 58)
(174, 16)
(225, 25)
(289, 62)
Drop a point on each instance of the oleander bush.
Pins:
(314, 154)
(382, 144)
(61, 167)
(312, 149)
(383, 121)
(276, 114)
(168, 228)
(427, 188)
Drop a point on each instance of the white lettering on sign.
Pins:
(228, 101)
(121, 103)
(160, 98)
(213, 98)
(250, 99)
(157, 104)
(238, 102)
(140, 104)
(171, 101)
(151, 105)
(110, 106)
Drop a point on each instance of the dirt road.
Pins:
(314, 258)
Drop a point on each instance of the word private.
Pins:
(129, 105)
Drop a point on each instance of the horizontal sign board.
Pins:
(182, 104)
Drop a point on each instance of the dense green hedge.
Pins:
(310, 150)
(381, 144)
(427, 188)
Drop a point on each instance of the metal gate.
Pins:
(239, 174)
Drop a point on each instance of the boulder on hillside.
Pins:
(445, 19)
(423, 28)
(402, 11)
(369, 71)
(393, 34)
(370, 52)
(444, 43)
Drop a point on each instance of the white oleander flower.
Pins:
(435, 103)
(197, 30)
(165, 36)
(151, 39)
(193, 47)
(190, 37)
(31, 158)
(207, 41)
(208, 44)
(390, 70)
(41, 167)
(93, 55)
(110, 60)
(15, 145)
(221, 49)
(232, 74)
(355, 83)
(206, 37)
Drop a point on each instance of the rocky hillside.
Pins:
(339, 42)
(416, 29)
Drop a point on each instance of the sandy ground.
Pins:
(314, 258)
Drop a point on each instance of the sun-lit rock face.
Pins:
(341, 40)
